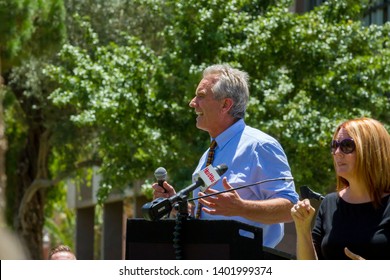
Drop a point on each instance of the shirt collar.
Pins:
(223, 138)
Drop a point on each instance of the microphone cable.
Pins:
(244, 186)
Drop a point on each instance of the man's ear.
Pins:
(227, 104)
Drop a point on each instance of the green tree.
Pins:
(31, 30)
(44, 141)
(111, 90)
(160, 128)
(308, 72)
(312, 71)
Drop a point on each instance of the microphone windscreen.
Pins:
(305, 192)
(160, 174)
(221, 169)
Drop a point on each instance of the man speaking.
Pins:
(251, 156)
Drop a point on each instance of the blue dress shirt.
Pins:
(251, 156)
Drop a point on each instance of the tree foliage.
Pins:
(319, 70)
(308, 73)
(31, 30)
(111, 89)
(27, 26)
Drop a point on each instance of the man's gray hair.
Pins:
(232, 83)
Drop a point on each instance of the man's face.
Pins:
(206, 107)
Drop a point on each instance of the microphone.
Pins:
(161, 176)
(205, 178)
(158, 208)
(306, 192)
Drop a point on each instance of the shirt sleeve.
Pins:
(270, 162)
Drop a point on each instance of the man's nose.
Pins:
(192, 102)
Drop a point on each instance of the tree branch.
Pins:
(39, 184)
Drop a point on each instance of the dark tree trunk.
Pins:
(33, 217)
(32, 166)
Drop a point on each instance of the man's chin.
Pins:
(199, 126)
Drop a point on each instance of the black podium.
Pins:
(196, 239)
